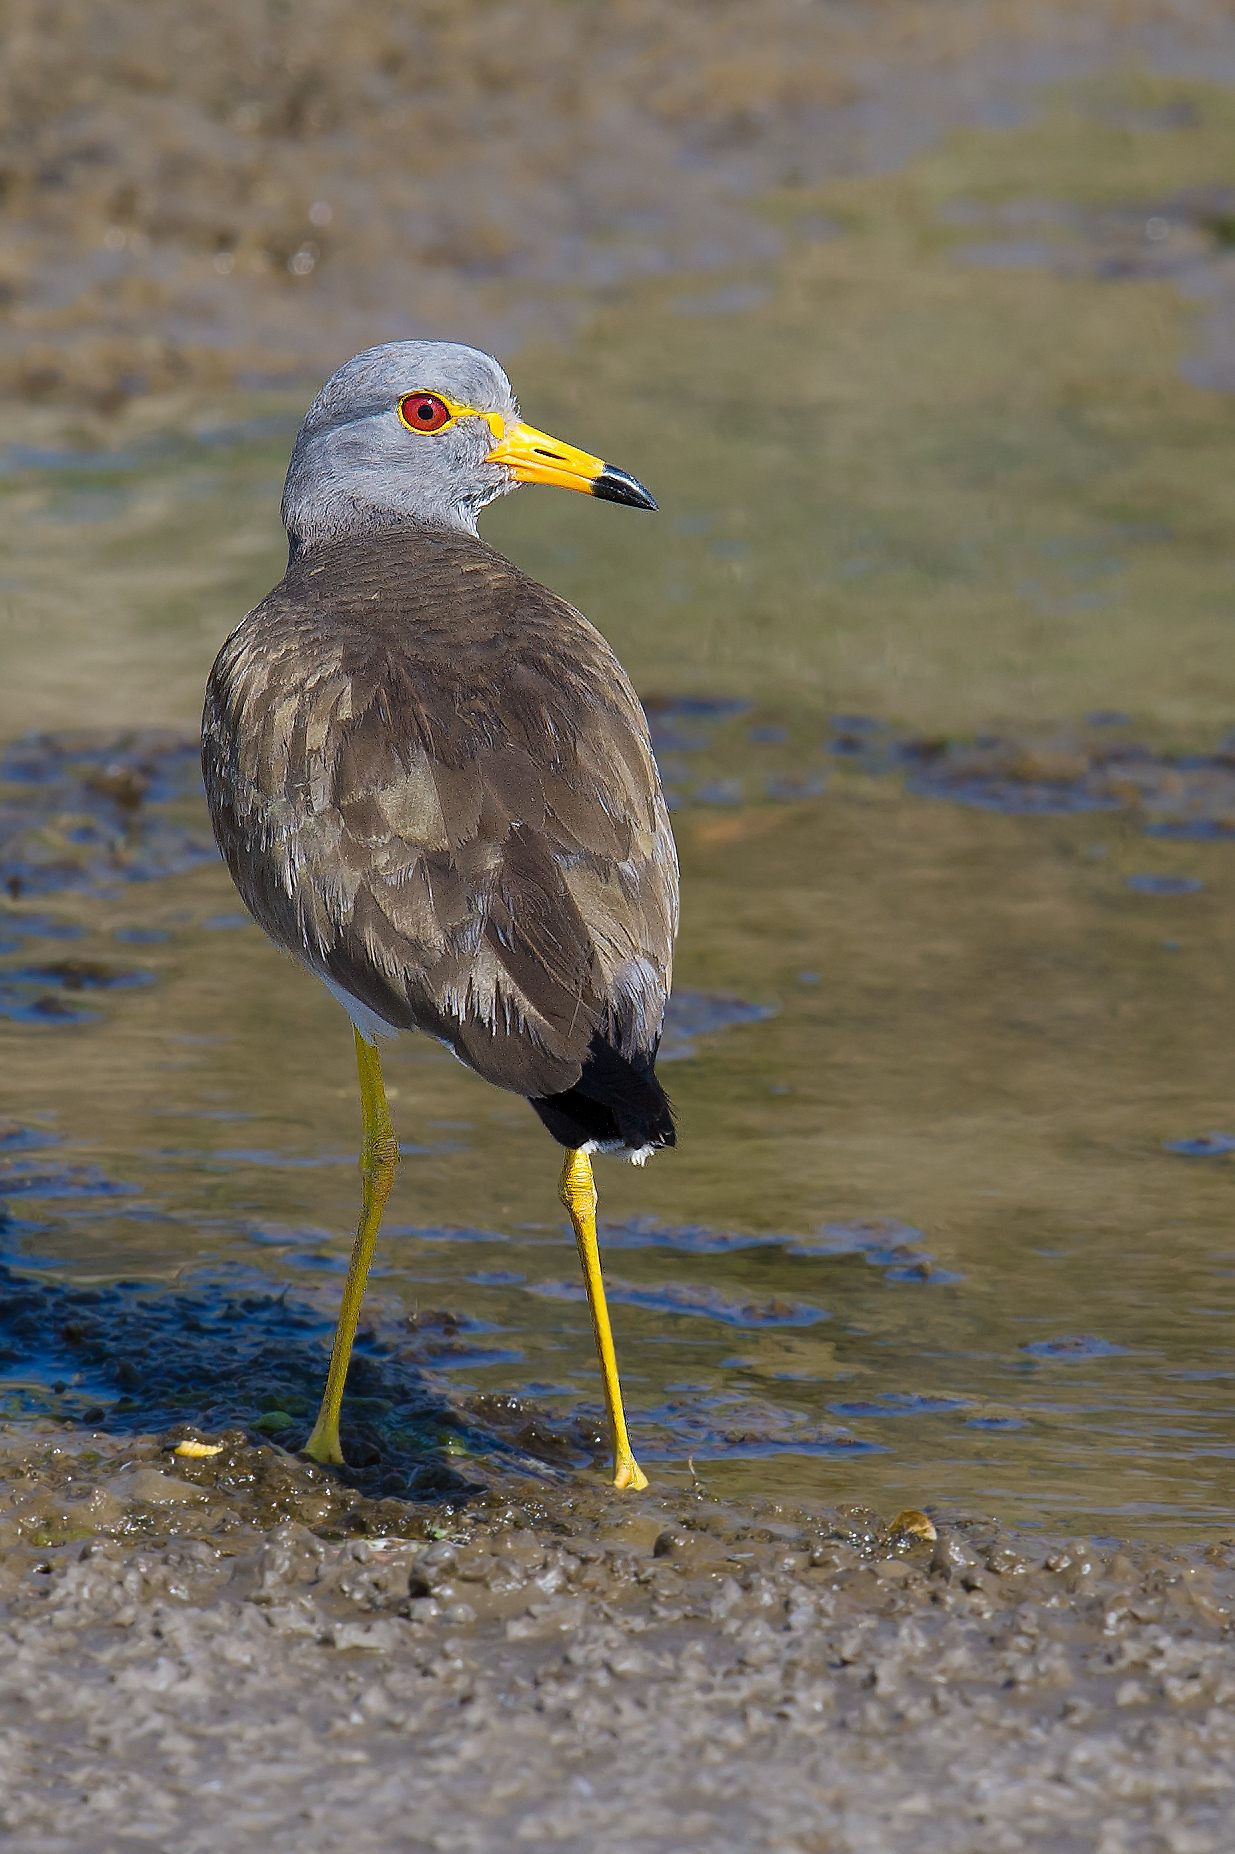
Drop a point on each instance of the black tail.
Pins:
(616, 1101)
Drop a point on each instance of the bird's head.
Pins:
(424, 431)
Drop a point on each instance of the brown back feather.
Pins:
(432, 782)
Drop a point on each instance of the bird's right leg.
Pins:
(379, 1154)
(578, 1193)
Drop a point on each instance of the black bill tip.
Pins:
(613, 485)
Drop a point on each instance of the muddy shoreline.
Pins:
(228, 1652)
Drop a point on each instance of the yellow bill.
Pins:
(533, 457)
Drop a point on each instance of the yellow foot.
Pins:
(323, 1445)
(628, 1473)
(197, 1450)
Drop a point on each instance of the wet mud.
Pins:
(201, 1650)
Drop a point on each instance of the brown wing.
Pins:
(433, 783)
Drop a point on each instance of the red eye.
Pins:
(424, 412)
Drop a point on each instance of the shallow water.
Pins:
(934, 630)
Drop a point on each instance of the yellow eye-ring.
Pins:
(424, 412)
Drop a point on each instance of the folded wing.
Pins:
(433, 785)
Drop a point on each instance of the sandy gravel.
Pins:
(571, 1670)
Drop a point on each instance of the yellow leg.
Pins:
(579, 1196)
(379, 1154)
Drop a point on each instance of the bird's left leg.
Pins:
(379, 1154)
(578, 1193)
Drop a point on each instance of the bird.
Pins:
(434, 787)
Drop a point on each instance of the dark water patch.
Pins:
(998, 1424)
(684, 723)
(1193, 830)
(697, 707)
(883, 1243)
(24, 926)
(283, 1161)
(668, 738)
(130, 1358)
(1202, 1146)
(81, 975)
(17, 1138)
(85, 813)
(1164, 884)
(145, 766)
(864, 744)
(287, 1235)
(788, 790)
(707, 1302)
(319, 1264)
(36, 994)
(443, 1232)
(443, 1341)
(141, 936)
(26, 1177)
(227, 923)
(26, 1004)
(687, 1239)
(691, 1014)
(877, 1237)
(1071, 1348)
(1180, 795)
(1016, 798)
(719, 792)
(872, 754)
(1079, 770)
(454, 1356)
(900, 1403)
(727, 1425)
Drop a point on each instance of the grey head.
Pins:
(357, 466)
(424, 431)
